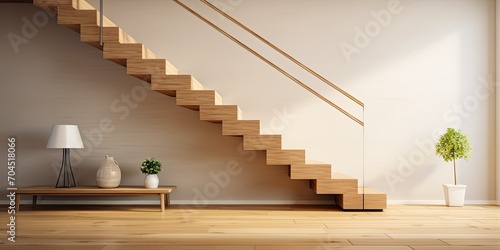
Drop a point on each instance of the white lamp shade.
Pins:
(65, 136)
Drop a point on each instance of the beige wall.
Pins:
(419, 74)
(498, 100)
(55, 79)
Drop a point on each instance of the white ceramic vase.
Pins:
(151, 181)
(109, 174)
(454, 195)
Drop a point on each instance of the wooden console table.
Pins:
(35, 191)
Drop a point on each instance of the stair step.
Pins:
(193, 99)
(170, 84)
(144, 68)
(73, 18)
(261, 142)
(119, 53)
(219, 113)
(349, 201)
(285, 156)
(338, 184)
(52, 5)
(90, 34)
(373, 200)
(240, 127)
(80, 5)
(311, 170)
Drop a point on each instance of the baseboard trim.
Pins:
(254, 202)
(440, 202)
(238, 202)
(174, 202)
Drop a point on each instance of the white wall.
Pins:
(418, 75)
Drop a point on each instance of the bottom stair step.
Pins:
(365, 199)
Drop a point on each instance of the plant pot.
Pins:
(151, 181)
(108, 174)
(454, 195)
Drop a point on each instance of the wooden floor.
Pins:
(253, 228)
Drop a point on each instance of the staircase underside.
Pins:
(140, 62)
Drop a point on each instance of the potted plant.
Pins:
(151, 167)
(451, 146)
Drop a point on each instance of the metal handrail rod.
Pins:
(270, 63)
(283, 53)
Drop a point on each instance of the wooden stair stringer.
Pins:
(121, 48)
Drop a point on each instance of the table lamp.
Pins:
(65, 137)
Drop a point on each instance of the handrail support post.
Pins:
(101, 11)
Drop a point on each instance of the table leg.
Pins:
(18, 201)
(33, 204)
(162, 202)
(168, 199)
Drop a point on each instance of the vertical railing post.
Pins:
(101, 11)
(364, 160)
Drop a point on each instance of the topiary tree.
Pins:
(453, 145)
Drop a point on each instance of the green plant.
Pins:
(453, 145)
(150, 166)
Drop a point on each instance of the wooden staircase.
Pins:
(122, 49)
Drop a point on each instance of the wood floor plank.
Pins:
(14, 246)
(264, 230)
(262, 227)
(455, 248)
(473, 242)
(328, 247)
(444, 236)
(397, 242)
(182, 248)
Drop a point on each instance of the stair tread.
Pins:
(154, 66)
(217, 95)
(69, 15)
(336, 176)
(221, 113)
(261, 142)
(79, 5)
(315, 162)
(123, 36)
(170, 84)
(366, 190)
(194, 99)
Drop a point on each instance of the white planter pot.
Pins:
(151, 181)
(454, 195)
